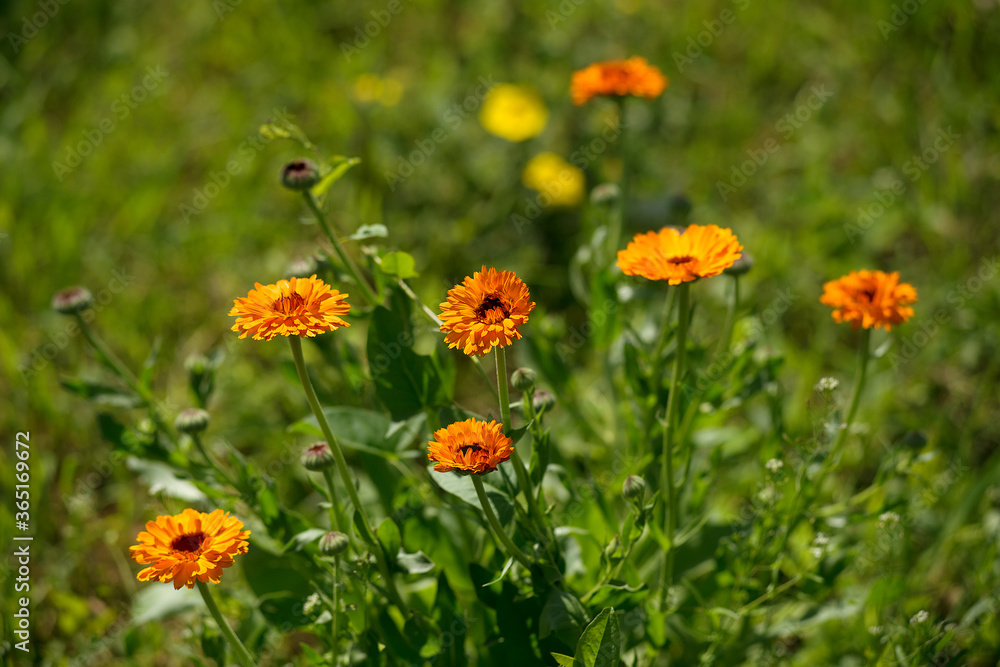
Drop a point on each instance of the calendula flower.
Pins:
(293, 307)
(561, 182)
(513, 112)
(485, 311)
(870, 299)
(470, 447)
(188, 547)
(680, 257)
(634, 76)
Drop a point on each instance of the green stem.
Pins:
(667, 473)
(335, 517)
(238, 648)
(366, 530)
(618, 221)
(498, 530)
(345, 260)
(211, 462)
(859, 385)
(519, 469)
(336, 576)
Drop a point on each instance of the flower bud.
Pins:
(300, 175)
(197, 364)
(740, 266)
(334, 543)
(523, 379)
(72, 300)
(605, 193)
(634, 489)
(543, 400)
(192, 420)
(317, 457)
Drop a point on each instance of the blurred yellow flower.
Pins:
(513, 112)
(371, 88)
(553, 176)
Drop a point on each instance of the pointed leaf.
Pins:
(600, 644)
(339, 166)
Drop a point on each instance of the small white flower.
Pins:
(311, 603)
(919, 617)
(887, 518)
(774, 465)
(817, 552)
(827, 384)
(821, 539)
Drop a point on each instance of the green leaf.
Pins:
(369, 232)
(503, 573)
(388, 535)
(356, 428)
(399, 264)
(461, 487)
(156, 603)
(600, 644)
(160, 478)
(149, 365)
(302, 539)
(338, 166)
(102, 394)
(563, 616)
(314, 658)
(416, 563)
(563, 660)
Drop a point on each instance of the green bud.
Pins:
(740, 266)
(72, 300)
(334, 543)
(543, 400)
(634, 489)
(300, 175)
(318, 457)
(523, 379)
(192, 420)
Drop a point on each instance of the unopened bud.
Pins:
(605, 193)
(318, 457)
(523, 379)
(300, 175)
(634, 489)
(740, 266)
(192, 420)
(72, 300)
(196, 364)
(333, 543)
(543, 400)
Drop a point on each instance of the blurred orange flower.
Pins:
(680, 256)
(188, 547)
(634, 76)
(293, 307)
(485, 311)
(470, 447)
(870, 299)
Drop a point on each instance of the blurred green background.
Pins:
(116, 119)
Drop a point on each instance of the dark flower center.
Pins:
(475, 447)
(492, 310)
(288, 304)
(682, 259)
(188, 542)
(869, 295)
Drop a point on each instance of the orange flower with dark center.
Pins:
(870, 299)
(470, 447)
(634, 76)
(680, 256)
(188, 547)
(485, 311)
(293, 307)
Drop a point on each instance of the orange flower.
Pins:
(470, 447)
(189, 546)
(680, 256)
(293, 307)
(634, 76)
(870, 299)
(485, 311)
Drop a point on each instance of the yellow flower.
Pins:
(870, 299)
(293, 307)
(553, 176)
(680, 256)
(469, 447)
(188, 547)
(485, 311)
(513, 112)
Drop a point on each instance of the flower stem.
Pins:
(667, 473)
(498, 530)
(365, 529)
(238, 648)
(211, 462)
(345, 260)
(519, 469)
(859, 385)
(335, 519)
(336, 576)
